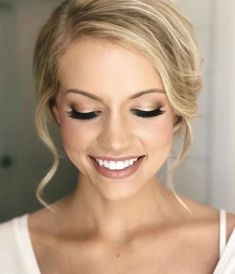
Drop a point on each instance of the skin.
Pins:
(119, 223)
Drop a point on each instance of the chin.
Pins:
(118, 191)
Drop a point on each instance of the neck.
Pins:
(88, 212)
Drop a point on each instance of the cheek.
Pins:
(157, 138)
(159, 133)
(75, 135)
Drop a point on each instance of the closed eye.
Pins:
(91, 115)
(148, 114)
(82, 115)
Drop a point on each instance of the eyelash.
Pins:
(91, 115)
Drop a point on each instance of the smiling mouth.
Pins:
(114, 173)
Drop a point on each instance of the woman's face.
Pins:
(111, 75)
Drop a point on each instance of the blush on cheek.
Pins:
(158, 142)
(166, 130)
(77, 137)
(160, 131)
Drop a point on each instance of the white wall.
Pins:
(222, 164)
(209, 173)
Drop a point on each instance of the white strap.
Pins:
(222, 230)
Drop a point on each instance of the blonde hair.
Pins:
(156, 28)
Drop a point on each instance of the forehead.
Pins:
(101, 65)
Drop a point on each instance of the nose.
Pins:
(115, 136)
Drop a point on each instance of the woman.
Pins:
(121, 79)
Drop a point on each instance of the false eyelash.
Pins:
(90, 115)
(148, 114)
(82, 115)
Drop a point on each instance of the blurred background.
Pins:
(207, 175)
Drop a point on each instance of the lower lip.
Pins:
(117, 174)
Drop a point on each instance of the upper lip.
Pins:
(106, 158)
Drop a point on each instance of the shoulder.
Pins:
(209, 216)
(205, 230)
(15, 251)
(11, 229)
(13, 232)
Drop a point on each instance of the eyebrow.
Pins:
(94, 97)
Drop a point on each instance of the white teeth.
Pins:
(106, 164)
(116, 165)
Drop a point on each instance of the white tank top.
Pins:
(226, 263)
(17, 255)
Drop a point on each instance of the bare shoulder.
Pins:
(207, 214)
(42, 229)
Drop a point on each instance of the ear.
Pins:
(56, 114)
